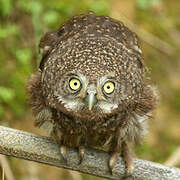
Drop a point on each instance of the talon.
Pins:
(81, 151)
(113, 161)
(63, 151)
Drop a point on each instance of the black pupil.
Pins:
(108, 87)
(75, 83)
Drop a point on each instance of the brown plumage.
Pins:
(91, 88)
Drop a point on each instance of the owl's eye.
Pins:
(75, 84)
(109, 87)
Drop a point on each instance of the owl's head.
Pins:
(94, 66)
(78, 92)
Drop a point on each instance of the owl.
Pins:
(92, 89)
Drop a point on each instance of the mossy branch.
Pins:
(44, 150)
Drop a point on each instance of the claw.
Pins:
(81, 151)
(63, 151)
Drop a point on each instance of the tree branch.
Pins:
(44, 150)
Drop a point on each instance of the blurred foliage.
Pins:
(22, 23)
(145, 4)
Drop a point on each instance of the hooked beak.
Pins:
(91, 100)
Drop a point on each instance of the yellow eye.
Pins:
(109, 87)
(74, 84)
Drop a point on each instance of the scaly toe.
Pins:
(130, 169)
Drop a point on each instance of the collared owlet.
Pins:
(91, 88)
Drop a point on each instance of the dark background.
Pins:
(157, 22)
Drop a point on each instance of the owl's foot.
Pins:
(127, 157)
(81, 151)
(63, 151)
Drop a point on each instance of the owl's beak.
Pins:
(91, 99)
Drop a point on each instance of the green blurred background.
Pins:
(22, 23)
